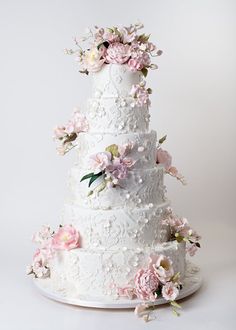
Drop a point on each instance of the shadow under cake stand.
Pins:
(191, 283)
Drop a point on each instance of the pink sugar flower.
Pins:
(92, 60)
(59, 132)
(66, 238)
(192, 249)
(119, 169)
(162, 267)
(39, 265)
(128, 34)
(164, 158)
(140, 94)
(127, 292)
(146, 283)
(77, 124)
(100, 161)
(169, 291)
(118, 53)
(139, 60)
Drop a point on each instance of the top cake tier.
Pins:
(112, 109)
(114, 80)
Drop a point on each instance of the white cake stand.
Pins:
(191, 283)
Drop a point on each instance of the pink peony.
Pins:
(164, 158)
(146, 283)
(169, 291)
(59, 132)
(100, 161)
(118, 53)
(162, 266)
(92, 60)
(66, 238)
(191, 249)
(139, 60)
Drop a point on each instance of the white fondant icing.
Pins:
(89, 144)
(116, 228)
(129, 194)
(112, 115)
(114, 80)
(99, 272)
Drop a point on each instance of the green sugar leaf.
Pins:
(113, 149)
(87, 176)
(162, 139)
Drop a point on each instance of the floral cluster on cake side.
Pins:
(181, 231)
(116, 45)
(68, 133)
(65, 238)
(156, 281)
(109, 166)
(163, 157)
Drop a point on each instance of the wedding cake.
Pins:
(119, 237)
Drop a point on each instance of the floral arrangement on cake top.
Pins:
(156, 281)
(117, 44)
(181, 231)
(68, 133)
(109, 166)
(66, 238)
(163, 157)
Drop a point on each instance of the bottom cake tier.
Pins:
(99, 273)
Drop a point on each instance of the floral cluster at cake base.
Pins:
(163, 157)
(156, 281)
(109, 167)
(65, 238)
(68, 133)
(181, 231)
(117, 44)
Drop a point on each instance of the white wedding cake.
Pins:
(118, 237)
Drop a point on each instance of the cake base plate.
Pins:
(191, 283)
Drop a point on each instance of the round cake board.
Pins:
(191, 283)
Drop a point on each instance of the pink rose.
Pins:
(100, 161)
(66, 238)
(146, 283)
(164, 158)
(118, 53)
(59, 132)
(162, 267)
(169, 291)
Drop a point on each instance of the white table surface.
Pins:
(212, 307)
